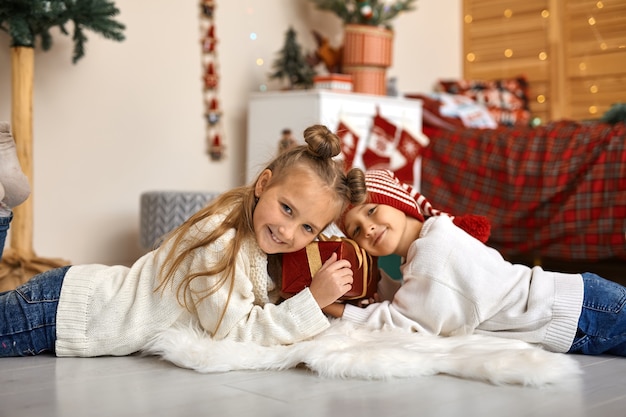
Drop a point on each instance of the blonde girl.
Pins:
(211, 271)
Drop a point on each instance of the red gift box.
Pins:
(299, 267)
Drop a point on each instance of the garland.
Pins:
(212, 112)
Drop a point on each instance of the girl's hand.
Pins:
(332, 281)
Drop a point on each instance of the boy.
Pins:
(453, 284)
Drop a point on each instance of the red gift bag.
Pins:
(299, 267)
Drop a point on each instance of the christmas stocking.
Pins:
(410, 148)
(349, 143)
(380, 146)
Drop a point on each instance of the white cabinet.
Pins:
(271, 112)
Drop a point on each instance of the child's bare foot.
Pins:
(15, 185)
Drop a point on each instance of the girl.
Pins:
(454, 284)
(211, 271)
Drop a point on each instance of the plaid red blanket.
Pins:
(557, 191)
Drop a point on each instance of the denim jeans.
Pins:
(28, 313)
(602, 322)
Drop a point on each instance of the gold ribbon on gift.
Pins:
(315, 259)
(360, 252)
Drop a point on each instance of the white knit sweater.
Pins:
(454, 284)
(114, 310)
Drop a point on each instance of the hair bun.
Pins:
(322, 142)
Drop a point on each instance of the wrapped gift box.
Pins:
(299, 267)
(334, 82)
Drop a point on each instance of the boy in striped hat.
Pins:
(454, 284)
(383, 187)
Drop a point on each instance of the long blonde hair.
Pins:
(238, 205)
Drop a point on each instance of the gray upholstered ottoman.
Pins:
(163, 211)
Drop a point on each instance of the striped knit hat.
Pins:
(383, 187)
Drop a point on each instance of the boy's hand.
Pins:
(334, 310)
(332, 281)
(364, 302)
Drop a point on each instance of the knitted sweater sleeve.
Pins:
(241, 309)
(453, 284)
(431, 298)
(418, 307)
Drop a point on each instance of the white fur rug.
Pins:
(347, 351)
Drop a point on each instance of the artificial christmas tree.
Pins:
(292, 65)
(366, 12)
(25, 21)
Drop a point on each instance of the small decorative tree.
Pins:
(25, 21)
(291, 63)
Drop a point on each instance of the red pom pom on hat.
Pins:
(383, 187)
(477, 226)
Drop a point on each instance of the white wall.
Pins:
(128, 117)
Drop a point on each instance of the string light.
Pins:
(598, 38)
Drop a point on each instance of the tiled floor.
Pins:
(139, 386)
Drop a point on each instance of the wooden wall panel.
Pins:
(594, 41)
(573, 52)
(504, 39)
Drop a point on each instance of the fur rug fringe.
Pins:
(348, 351)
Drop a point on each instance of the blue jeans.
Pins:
(602, 322)
(28, 313)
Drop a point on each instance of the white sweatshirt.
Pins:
(114, 310)
(453, 284)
